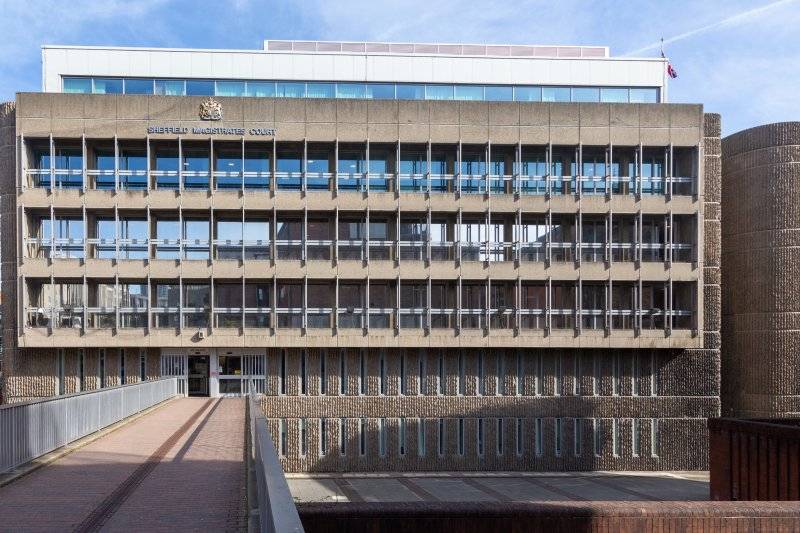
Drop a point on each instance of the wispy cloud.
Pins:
(728, 22)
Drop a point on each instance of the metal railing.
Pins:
(276, 509)
(31, 429)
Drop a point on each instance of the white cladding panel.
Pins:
(258, 64)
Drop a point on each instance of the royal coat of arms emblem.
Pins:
(210, 109)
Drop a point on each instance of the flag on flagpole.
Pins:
(671, 72)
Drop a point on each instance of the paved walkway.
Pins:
(179, 467)
(499, 487)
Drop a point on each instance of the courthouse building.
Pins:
(427, 257)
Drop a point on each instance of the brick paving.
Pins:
(196, 484)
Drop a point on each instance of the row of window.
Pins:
(378, 236)
(370, 91)
(498, 169)
(102, 374)
(579, 426)
(621, 369)
(318, 304)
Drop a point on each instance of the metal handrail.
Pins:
(31, 429)
(277, 512)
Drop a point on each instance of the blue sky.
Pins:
(739, 58)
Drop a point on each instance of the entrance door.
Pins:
(198, 375)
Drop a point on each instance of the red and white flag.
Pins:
(671, 72)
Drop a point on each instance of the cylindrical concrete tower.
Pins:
(761, 272)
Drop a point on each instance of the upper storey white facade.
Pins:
(312, 61)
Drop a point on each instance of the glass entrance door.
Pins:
(198, 375)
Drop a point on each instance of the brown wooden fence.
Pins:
(754, 459)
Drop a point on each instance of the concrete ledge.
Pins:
(549, 516)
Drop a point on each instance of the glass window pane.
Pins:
(77, 85)
(321, 90)
(613, 95)
(290, 90)
(260, 88)
(169, 87)
(555, 94)
(138, 86)
(108, 86)
(380, 91)
(410, 92)
(351, 90)
(644, 96)
(439, 92)
(499, 94)
(230, 88)
(469, 92)
(528, 94)
(199, 88)
(585, 94)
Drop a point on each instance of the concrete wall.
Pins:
(761, 300)
(8, 249)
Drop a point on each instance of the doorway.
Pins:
(199, 366)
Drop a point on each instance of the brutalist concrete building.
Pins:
(428, 257)
(761, 168)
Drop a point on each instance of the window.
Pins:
(468, 92)
(438, 92)
(519, 436)
(423, 378)
(102, 368)
(303, 374)
(199, 88)
(137, 86)
(615, 437)
(577, 424)
(440, 382)
(460, 436)
(81, 373)
(460, 374)
(617, 374)
(576, 383)
(421, 437)
(614, 95)
(520, 382)
(77, 85)
(537, 426)
(303, 437)
(558, 436)
(636, 436)
(142, 364)
(528, 94)
(480, 436)
(402, 373)
(170, 87)
(558, 378)
(481, 389)
(320, 90)
(441, 436)
(585, 94)
(556, 94)
(382, 375)
(323, 376)
(500, 436)
(122, 366)
(283, 372)
(654, 437)
(539, 375)
(283, 437)
(342, 435)
(107, 86)
(499, 376)
(499, 94)
(323, 436)
(597, 435)
(230, 88)
(362, 373)
(61, 365)
(362, 436)
(382, 437)
(401, 436)
(342, 373)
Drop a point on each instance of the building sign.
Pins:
(211, 130)
(210, 109)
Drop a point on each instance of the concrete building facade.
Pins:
(761, 169)
(482, 283)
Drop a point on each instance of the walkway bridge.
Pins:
(181, 464)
